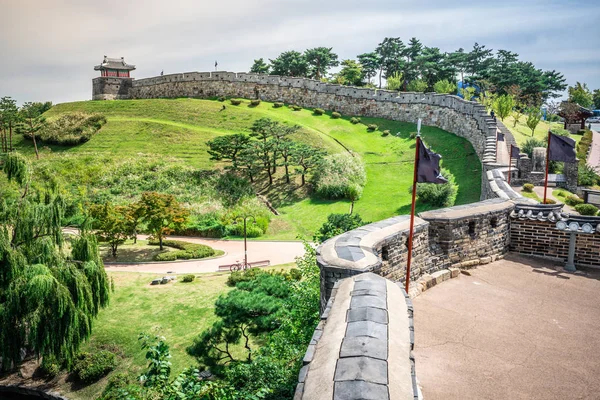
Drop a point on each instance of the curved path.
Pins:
(276, 252)
(594, 156)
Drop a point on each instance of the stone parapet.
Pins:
(362, 348)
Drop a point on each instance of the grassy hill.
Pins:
(176, 131)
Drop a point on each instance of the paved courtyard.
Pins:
(519, 328)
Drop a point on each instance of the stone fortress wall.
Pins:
(363, 322)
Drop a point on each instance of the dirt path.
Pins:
(594, 157)
(276, 252)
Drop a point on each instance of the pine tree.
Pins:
(48, 299)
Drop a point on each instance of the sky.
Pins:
(48, 48)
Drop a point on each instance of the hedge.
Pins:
(187, 250)
(586, 209)
(89, 367)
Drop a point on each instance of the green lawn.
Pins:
(177, 129)
(521, 131)
(138, 252)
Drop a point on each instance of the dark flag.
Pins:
(500, 137)
(216, 64)
(515, 152)
(428, 168)
(562, 148)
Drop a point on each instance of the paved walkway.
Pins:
(594, 157)
(516, 329)
(502, 154)
(276, 252)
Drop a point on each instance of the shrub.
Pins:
(318, 111)
(444, 86)
(413, 135)
(336, 115)
(417, 85)
(254, 103)
(89, 367)
(50, 367)
(337, 224)
(232, 188)
(385, 133)
(295, 107)
(188, 278)
(235, 102)
(586, 209)
(528, 187)
(187, 251)
(277, 105)
(354, 120)
(587, 175)
(221, 98)
(372, 127)
(437, 195)
(70, 129)
(549, 201)
(340, 176)
(573, 200)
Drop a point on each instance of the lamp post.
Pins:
(245, 219)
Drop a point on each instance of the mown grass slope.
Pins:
(179, 128)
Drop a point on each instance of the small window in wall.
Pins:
(472, 228)
(494, 222)
(384, 253)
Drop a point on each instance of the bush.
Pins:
(318, 111)
(70, 129)
(337, 224)
(530, 144)
(188, 278)
(587, 175)
(336, 115)
(50, 367)
(438, 195)
(340, 176)
(385, 133)
(89, 367)
(573, 200)
(528, 187)
(354, 120)
(413, 135)
(586, 209)
(549, 201)
(232, 188)
(372, 127)
(444, 86)
(254, 103)
(235, 102)
(295, 107)
(277, 105)
(187, 251)
(417, 85)
(221, 98)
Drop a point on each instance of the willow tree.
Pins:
(48, 297)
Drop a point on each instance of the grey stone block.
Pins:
(364, 346)
(299, 391)
(362, 369)
(310, 353)
(359, 390)
(367, 292)
(302, 374)
(368, 301)
(378, 285)
(367, 314)
(367, 328)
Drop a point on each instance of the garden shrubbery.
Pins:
(186, 250)
(336, 115)
(385, 133)
(70, 129)
(89, 367)
(295, 107)
(528, 187)
(188, 278)
(372, 127)
(586, 209)
(50, 366)
(235, 102)
(277, 105)
(254, 103)
(318, 111)
(573, 200)
(340, 176)
(354, 120)
(439, 195)
(337, 224)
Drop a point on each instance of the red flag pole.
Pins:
(412, 213)
(547, 165)
(509, 163)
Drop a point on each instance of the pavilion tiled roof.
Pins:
(114, 63)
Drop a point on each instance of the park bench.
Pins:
(263, 263)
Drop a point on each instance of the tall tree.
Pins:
(460, 61)
(289, 63)
(503, 106)
(479, 61)
(306, 158)
(163, 214)
(370, 65)
(350, 74)
(227, 148)
(112, 224)
(581, 95)
(48, 300)
(389, 52)
(412, 52)
(260, 67)
(319, 60)
(534, 116)
(33, 121)
(596, 98)
(9, 119)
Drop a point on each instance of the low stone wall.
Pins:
(362, 348)
(534, 232)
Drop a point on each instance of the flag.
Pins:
(216, 64)
(428, 167)
(515, 152)
(500, 137)
(562, 148)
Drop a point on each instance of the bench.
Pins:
(263, 263)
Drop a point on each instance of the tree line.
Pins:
(266, 148)
(27, 120)
(416, 66)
